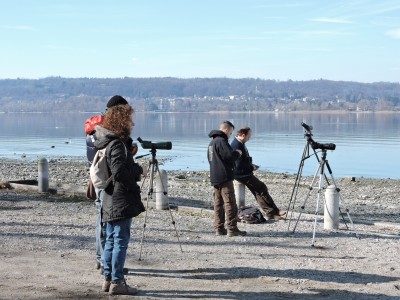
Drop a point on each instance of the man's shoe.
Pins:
(106, 285)
(98, 265)
(126, 271)
(221, 231)
(101, 270)
(236, 232)
(122, 289)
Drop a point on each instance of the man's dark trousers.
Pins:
(260, 192)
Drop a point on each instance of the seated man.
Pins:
(243, 173)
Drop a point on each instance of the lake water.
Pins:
(367, 144)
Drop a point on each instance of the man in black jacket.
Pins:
(221, 158)
(243, 173)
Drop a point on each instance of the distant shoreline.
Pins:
(217, 112)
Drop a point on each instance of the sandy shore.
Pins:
(48, 243)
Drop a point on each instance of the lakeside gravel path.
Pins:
(48, 243)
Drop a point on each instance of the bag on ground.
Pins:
(250, 215)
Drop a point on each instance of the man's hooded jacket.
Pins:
(221, 158)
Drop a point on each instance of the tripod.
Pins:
(322, 164)
(151, 171)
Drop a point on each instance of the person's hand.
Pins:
(144, 173)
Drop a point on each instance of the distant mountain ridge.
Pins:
(195, 94)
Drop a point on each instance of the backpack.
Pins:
(100, 173)
(90, 130)
(92, 122)
(251, 215)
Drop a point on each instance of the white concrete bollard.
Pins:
(161, 187)
(331, 208)
(43, 175)
(240, 192)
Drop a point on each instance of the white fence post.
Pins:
(240, 191)
(161, 187)
(43, 175)
(331, 208)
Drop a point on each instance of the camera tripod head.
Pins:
(314, 144)
(308, 128)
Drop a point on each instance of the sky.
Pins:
(341, 40)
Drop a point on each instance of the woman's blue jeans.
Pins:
(118, 234)
(100, 228)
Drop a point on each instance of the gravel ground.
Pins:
(48, 242)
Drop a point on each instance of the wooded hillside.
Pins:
(195, 94)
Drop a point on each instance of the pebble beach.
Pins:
(365, 198)
(50, 241)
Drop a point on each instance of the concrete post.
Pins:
(331, 208)
(43, 175)
(240, 191)
(161, 187)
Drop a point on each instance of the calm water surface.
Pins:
(367, 144)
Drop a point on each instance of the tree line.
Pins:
(52, 94)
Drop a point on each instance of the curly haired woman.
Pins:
(121, 201)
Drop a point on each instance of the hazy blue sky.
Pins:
(351, 40)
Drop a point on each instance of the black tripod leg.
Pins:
(149, 195)
(153, 168)
(147, 174)
(295, 189)
(307, 196)
(320, 187)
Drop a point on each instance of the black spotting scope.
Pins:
(316, 145)
(153, 146)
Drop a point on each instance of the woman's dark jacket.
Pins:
(122, 198)
(244, 165)
(221, 158)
